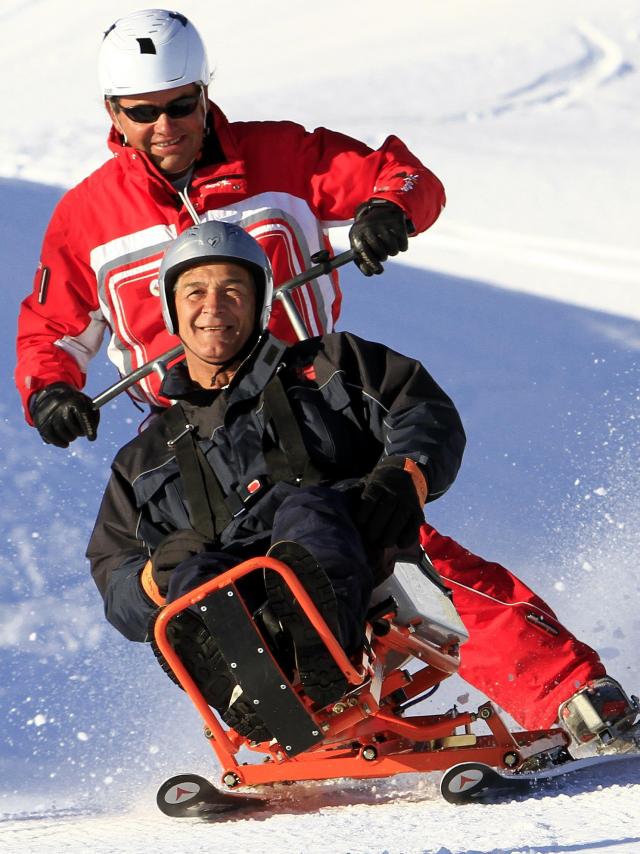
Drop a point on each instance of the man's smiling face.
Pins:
(216, 312)
(173, 144)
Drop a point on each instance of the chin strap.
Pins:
(205, 110)
(241, 356)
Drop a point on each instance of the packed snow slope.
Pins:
(522, 301)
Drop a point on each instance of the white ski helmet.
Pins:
(215, 241)
(150, 51)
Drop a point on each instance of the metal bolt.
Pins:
(230, 780)
(256, 702)
(510, 759)
(338, 708)
(229, 592)
(260, 649)
(203, 607)
(369, 753)
(314, 732)
(283, 687)
(287, 747)
(233, 665)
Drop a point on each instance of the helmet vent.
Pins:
(178, 17)
(146, 45)
(150, 51)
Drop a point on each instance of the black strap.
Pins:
(208, 512)
(291, 461)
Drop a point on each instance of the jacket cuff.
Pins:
(418, 478)
(148, 584)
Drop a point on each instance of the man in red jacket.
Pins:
(178, 160)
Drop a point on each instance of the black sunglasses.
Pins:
(145, 114)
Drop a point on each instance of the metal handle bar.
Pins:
(325, 265)
(158, 365)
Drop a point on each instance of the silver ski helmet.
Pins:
(150, 51)
(209, 242)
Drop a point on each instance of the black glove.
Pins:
(380, 229)
(61, 413)
(390, 512)
(175, 548)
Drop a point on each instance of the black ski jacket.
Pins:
(354, 402)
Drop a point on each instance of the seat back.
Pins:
(423, 602)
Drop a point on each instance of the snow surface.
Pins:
(522, 301)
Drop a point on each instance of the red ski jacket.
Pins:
(102, 249)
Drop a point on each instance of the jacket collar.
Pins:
(249, 381)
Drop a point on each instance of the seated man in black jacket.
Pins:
(321, 454)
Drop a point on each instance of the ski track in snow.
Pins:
(547, 265)
(600, 60)
(616, 264)
(316, 825)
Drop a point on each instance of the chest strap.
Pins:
(290, 461)
(208, 511)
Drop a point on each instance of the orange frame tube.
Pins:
(224, 746)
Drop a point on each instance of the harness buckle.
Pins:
(246, 494)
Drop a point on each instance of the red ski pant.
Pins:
(518, 654)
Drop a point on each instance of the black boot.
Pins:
(199, 653)
(323, 681)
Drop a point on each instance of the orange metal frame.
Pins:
(364, 736)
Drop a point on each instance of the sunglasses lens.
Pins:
(147, 113)
(182, 107)
(143, 113)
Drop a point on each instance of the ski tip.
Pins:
(191, 796)
(464, 782)
(178, 796)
